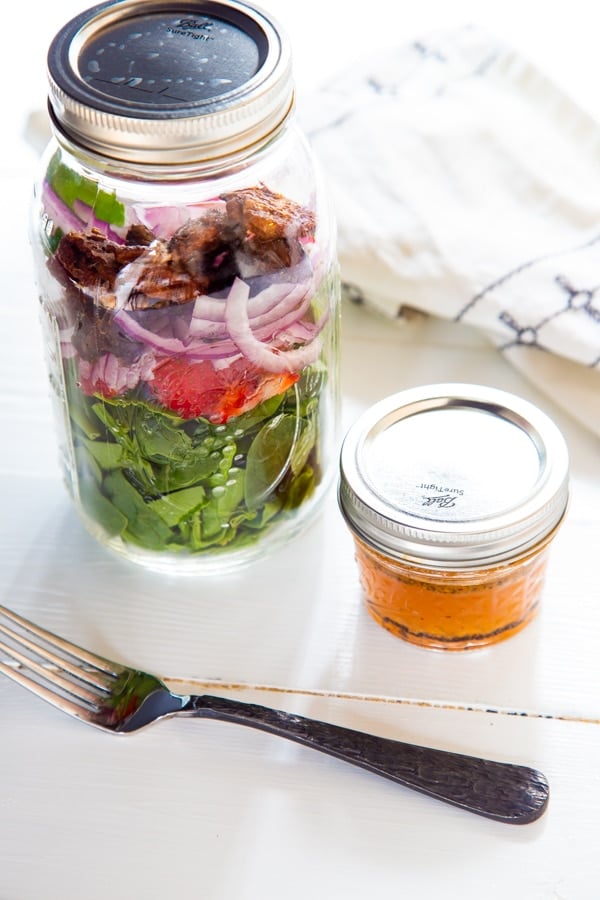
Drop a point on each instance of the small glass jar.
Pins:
(453, 494)
(185, 259)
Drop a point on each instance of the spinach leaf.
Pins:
(224, 500)
(100, 509)
(269, 457)
(179, 505)
(144, 526)
(300, 488)
(107, 455)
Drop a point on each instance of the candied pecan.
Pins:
(139, 234)
(264, 215)
(268, 230)
(156, 279)
(203, 248)
(93, 261)
(267, 257)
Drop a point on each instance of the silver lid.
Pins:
(159, 82)
(453, 475)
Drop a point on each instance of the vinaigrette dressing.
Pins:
(452, 610)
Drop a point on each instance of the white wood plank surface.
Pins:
(206, 811)
(193, 809)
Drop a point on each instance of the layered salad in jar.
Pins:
(194, 355)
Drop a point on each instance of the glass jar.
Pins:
(184, 254)
(453, 494)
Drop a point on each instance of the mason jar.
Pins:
(185, 261)
(453, 494)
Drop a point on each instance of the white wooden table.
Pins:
(195, 809)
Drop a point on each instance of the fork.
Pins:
(121, 700)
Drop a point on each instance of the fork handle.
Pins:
(502, 791)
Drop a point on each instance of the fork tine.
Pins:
(75, 688)
(62, 645)
(57, 700)
(93, 677)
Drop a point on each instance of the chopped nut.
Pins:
(93, 261)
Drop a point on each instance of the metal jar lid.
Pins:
(159, 82)
(453, 476)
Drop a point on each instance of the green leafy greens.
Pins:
(72, 187)
(169, 484)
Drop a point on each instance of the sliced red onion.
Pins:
(268, 358)
(114, 375)
(207, 350)
(62, 217)
(296, 274)
(211, 312)
(266, 292)
(171, 345)
(273, 297)
(164, 221)
(90, 220)
(303, 332)
(226, 361)
(207, 330)
(288, 311)
(208, 309)
(318, 260)
(278, 304)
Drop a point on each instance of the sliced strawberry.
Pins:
(199, 389)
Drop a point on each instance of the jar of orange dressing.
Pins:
(453, 494)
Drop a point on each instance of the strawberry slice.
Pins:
(199, 389)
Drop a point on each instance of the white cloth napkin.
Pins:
(466, 185)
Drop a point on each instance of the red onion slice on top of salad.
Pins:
(268, 358)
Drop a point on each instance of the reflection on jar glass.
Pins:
(453, 494)
(185, 259)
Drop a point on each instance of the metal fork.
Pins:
(121, 700)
